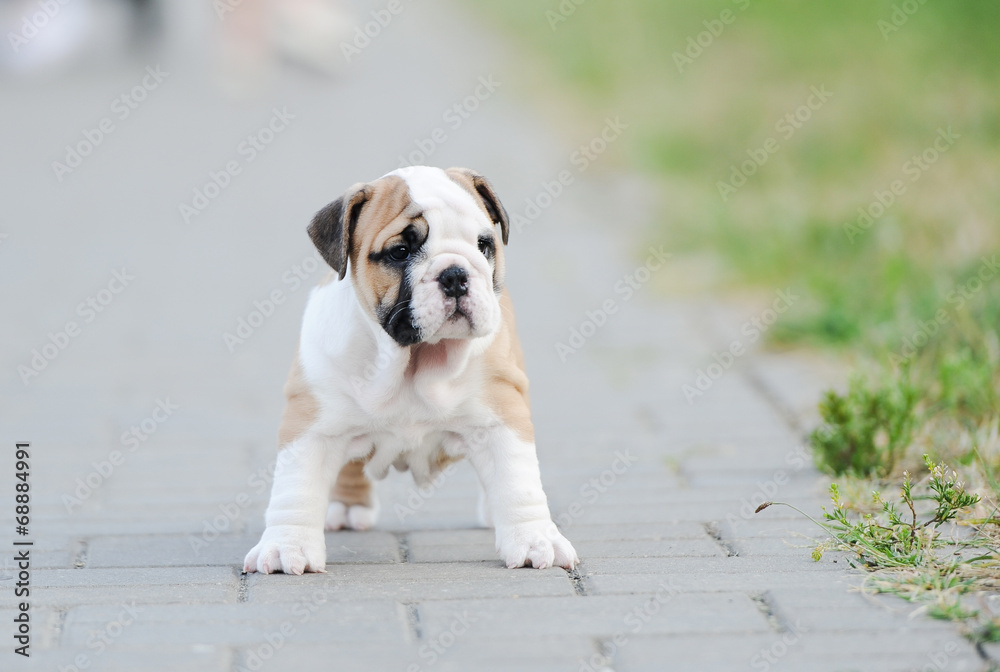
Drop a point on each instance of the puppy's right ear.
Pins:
(332, 229)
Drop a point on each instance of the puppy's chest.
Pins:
(415, 427)
(406, 398)
(407, 414)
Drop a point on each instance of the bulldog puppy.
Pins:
(408, 357)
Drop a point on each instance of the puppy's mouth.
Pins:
(457, 313)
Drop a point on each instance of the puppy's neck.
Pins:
(445, 359)
(423, 365)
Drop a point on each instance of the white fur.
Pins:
(371, 392)
(339, 516)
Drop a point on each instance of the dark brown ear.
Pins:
(479, 186)
(332, 228)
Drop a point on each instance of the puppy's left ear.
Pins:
(481, 188)
(332, 229)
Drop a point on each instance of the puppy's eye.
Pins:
(399, 252)
(486, 246)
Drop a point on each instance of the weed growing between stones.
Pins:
(931, 544)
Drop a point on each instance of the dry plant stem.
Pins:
(798, 510)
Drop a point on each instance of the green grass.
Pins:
(901, 297)
(866, 431)
(786, 224)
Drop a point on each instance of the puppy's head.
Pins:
(424, 248)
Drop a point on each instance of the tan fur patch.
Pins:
(352, 486)
(327, 279)
(383, 216)
(506, 384)
(301, 407)
(442, 460)
(463, 177)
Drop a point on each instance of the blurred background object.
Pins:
(46, 36)
(52, 37)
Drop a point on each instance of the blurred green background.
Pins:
(708, 86)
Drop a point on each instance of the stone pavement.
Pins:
(152, 436)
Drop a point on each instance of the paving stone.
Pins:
(688, 529)
(760, 526)
(411, 583)
(748, 582)
(809, 652)
(484, 551)
(477, 536)
(229, 550)
(601, 513)
(598, 615)
(312, 619)
(45, 560)
(714, 565)
(463, 652)
(118, 658)
(72, 587)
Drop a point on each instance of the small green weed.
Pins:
(866, 431)
(913, 548)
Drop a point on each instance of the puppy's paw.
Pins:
(538, 544)
(355, 517)
(292, 549)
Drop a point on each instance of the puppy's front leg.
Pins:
(293, 540)
(508, 470)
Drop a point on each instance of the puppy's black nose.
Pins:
(454, 281)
